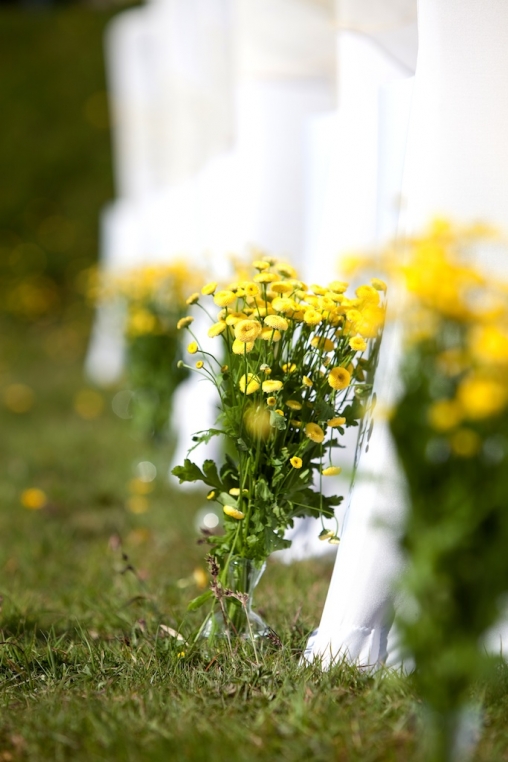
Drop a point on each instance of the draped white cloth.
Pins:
(457, 166)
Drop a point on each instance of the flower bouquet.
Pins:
(153, 299)
(450, 425)
(293, 368)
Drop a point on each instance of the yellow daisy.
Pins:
(276, 322)
(247, 330)
(249, 384)
(184, 322)
(339, 378)
(271, 386)
(233, 513)
(314, 432)
(296, 462)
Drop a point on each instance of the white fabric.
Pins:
(457, 166)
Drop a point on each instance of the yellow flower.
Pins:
(249, 384)
(142, 322)
(217, 328)
(34, 499)
(265, 369)
(295, 423)
(233, 512)
(314, 432)
(242, 347)
(358, 344)
(339, 378)
(284, 305)
(270, 386)
(282, 287)
(247, 330)
(320, 342)
(334, 541)
(289, 367)
(235, 491)
(326, 534)
(224, 298)
(276, 322)
(251, 289)
(481, 397)
(445, 415)
(211, 495)
(265, 278)
(378, 284)
(312, 317)
(184, 322)
(257, 422)
(333, 422)
(294, 405)
(208, 289)
(296, 462)
(192, 348)
(465, 443)
(338, 286)
(271, 401)
(368, 294)
(280, 412)
(224, 369)
(260, 265)
(270, 334)
(192, 299)
(286, 270)
(331, 471)
(307, 381)
(199, 364)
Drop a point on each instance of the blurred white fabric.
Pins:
(457, 166)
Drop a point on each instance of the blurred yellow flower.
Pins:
(314, 432)
(217, 328)
(257, 421)
(339, 378)
(465, 443)
(242, 347)
(224, 298)
(192, 348)
(333, 422)
(192, 299)
(233, 513)
(338, 286)
(88, 404)
(208, 289)
(249, 384)
(184, 322)
(296, 462)
(271, 386)
(445, 415)
(265, 277)
(137, 504)
(270, 334)
(358, 344)
(294, 404)
(481, 397)
(307, 381)
(18, 398)
(271, 401)
(331, 471)
(289, 367)
(378, 284)
(322, 343)
(34, 499)
(199, 364)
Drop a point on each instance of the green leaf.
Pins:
(210, 471)
(189, 472)
(196, 603)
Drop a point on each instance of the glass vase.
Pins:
(233, 616)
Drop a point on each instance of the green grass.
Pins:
(86, 671)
